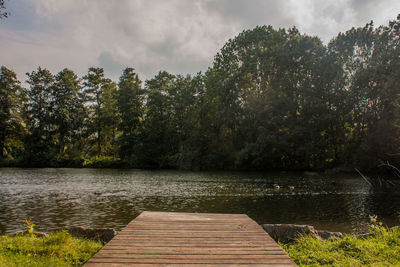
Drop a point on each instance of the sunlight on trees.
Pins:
(272, 99)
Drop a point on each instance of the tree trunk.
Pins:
(2, 143)
(98, 140)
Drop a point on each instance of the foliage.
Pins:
(94, 86)
(3, 13)
(12, 115)
(57, 249)
(67, 114)
(39, 141)
(272, 99)
(382, 249)
(103, 162)
(130, 99)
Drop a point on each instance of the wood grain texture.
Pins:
(191, 239)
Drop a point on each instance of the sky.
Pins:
(179, 36)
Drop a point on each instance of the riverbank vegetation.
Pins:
(56, 249)
(272, 99)
(382, 249)
(62, 249)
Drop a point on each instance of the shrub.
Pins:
(103, 162)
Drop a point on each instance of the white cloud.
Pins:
(151, 35)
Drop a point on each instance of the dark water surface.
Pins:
(58, 198)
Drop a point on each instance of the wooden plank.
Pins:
(198, 240)
(191, 239)
(105, 254)
(100, 264)
(194, 233)
(183, 250)
(190, 252)
(193, 247)
(192, 243)
(191, 230)
(204, 235)
(249, 260)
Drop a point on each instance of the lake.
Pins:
(98, 198)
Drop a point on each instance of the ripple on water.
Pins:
(57, 198)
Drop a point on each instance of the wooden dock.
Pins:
(191, 239)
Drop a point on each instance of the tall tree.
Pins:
(68, 111)
(158, 138)
(110, 119)
(12, 124)
(184, 120)
(258, 93)
(130, 104)
(376, 95)
(94, 83)
(39, 148)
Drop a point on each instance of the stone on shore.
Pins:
(102, 234)
(286, 233)
(289, 232)
(328, 235)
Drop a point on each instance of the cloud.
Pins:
(151, 35)
(109, 64)
(252, 13)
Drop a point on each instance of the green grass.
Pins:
(57, 249)
(61, 249)
(381, 250)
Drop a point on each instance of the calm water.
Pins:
(57, 198)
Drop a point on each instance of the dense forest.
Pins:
(272, 99)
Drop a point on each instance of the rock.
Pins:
(103, 234)
(366, 235)
(372, 234)
(289, 232)
(329, 235)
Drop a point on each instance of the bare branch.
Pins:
(394, 154)
(362, 175)
(387, 164)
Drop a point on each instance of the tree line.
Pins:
(272, 99)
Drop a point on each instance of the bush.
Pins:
(103, 162)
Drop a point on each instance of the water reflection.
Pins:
(57, 198)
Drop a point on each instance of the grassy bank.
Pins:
(383, 249)
(62, 249)
(56, 249)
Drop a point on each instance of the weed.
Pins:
(31, 228)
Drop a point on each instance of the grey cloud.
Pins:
(365, 7)
(150, 35)
(109, 64)
(333, 11)
(253, 13)
(167, 47)
(176, 65)
(367, 10)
